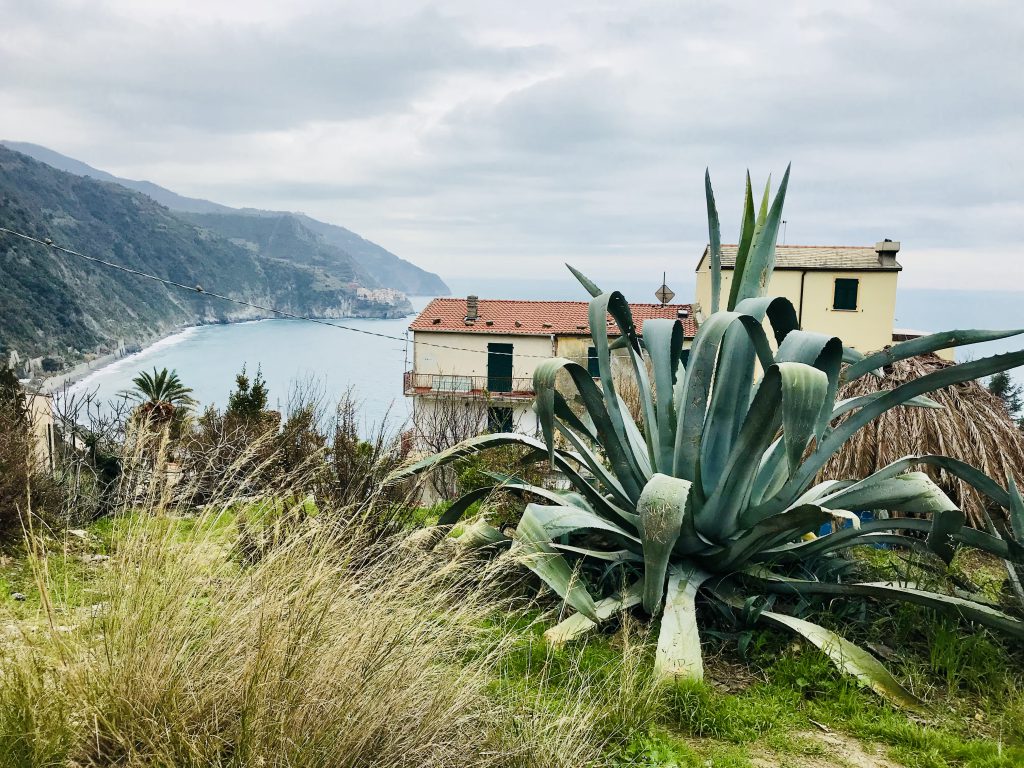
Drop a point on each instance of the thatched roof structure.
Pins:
(972, 426)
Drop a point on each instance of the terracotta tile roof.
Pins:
(534, 318)
(815, 257)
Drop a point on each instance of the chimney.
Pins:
(887, 250)
(472, 309)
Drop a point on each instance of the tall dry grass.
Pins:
(339, 646)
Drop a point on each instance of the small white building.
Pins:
(475, 358)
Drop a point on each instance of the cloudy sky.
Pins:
(513, 136)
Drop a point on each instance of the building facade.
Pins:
(843, 291)
(472, 360)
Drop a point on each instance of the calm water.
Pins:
(290, 351)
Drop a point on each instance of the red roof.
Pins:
(536, 318)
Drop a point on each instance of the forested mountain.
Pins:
(56, 305)
(380, 267)
(282, 236)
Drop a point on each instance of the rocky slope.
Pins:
(62, 308)
(380, 266)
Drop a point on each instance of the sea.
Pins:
(368, 357)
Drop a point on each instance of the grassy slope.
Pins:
(784, 705)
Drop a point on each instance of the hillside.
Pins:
(55, 305)
(379, 266)
(285, 238)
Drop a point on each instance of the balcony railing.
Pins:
(479, 386)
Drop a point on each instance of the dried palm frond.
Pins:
(972, 425)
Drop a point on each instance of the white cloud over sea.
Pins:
(510, 137)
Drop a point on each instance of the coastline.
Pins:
(77, 378)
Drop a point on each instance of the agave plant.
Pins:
(714, 492)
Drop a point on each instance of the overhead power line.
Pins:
(198, 289)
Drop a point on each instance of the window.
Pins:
(845, 296)
(499, 419)
(592, 367)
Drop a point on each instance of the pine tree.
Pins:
(1006, 389)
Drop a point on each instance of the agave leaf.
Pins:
(468, 447)
(804, 391)
(458, 507)
(566, 414)
(650, 436)
(1016, 541)
(693, 400)
(850, 658)
(946, 523)
(578, 625)
(825, 354)
(851, 403)
(586, 282)
(720, 516)
(949, 604)
(593, 462)
(761, 259)
(678, 653)
(639, 443)
(696, 389)
(1016, 509)
(851, 355)
(610, 556)
(715, 246)
(858, 419)
(747, 226)
(922, 345)
(534, 550)
(480, 534)
(563, 461)
(610, 429)
(614, 304)
(850, 537)
(730, 397)
(913, 492)
(662, 507)
(561, 520)
(664, 341)
(779, 311)
(777, 529)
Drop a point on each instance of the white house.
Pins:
(483, 352)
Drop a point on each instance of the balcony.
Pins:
(468, 386)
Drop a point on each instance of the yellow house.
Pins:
(845, 291)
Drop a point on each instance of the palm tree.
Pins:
(160, 394)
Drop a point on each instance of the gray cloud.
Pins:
(533, 133)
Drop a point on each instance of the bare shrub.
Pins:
(443, 421)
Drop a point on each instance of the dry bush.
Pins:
(972, 426)
(300, 660)
(445, 421)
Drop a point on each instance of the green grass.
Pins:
(794, 696)
(783, 703)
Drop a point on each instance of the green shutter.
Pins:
(592, 366)
(845, 296)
